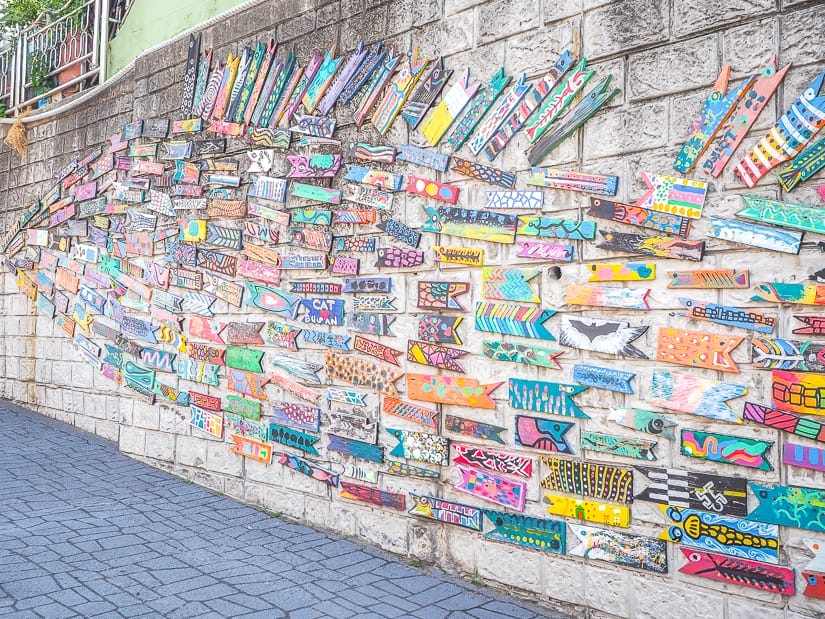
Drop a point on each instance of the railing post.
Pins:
(19, 90)
(103, 41)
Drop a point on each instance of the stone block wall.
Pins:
(664, 55)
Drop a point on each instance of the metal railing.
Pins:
(53, 59)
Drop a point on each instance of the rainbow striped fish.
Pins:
(789, 135)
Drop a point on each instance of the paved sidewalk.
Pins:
(85, 531)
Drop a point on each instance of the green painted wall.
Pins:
(150, 22)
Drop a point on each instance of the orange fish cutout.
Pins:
(456, 390)
(697, 349)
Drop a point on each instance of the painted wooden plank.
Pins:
(371, 494)
(727, 315)
(271, 299)
(509, 284)
(484, 173)
(603, 378)
(662, 247)
(525, 354)
(432, 189)
(782, 420)
(605, 296)
(369, 65)
(542, 434)
(573, 181)
(525, 108)
(780, 213)
(400, 231)
(640, 449)
(558, 100)
(600, 335)
(719, 278)
(435, 355)
(804, 506)
(545, 251)
(293, 438)
(590, 511)
(726, 449)
(361, 372)
(471, 224)
(492, 460)
(477, 429)
(619, 272)
(599, 481)
(491, 487)
(503, 108)
(545, 397)
(378, 178)
(410, 411)
(306, 371)
(798, 392)
(743, 572)
(314, 165)
(669, 194)
(591, 103)
(694, 395)
(357, 449)
(746, 113)
(554, 227)
(781, 292)
(764, 237)
(318, 126)
(347, 73)
(692, 490)
(791, 133)
(527, 200)
(510, 319)
(309, 469)
(643, 421)
(477, 109)
(697, 349)
(423, 97)
(471, 256)
(636, 551)
(371, 323)
(315, 193)
(449, 512)
(399, 87)
(300, 416)
(378, 350)
(804, 456)
(380, 78)
(527, 531)
(459, 391)
(452, 104)
(669, 223)
(420, 446)
(719, 106)
(803, 166)
(426, 157)
(356, 427)
(719, 533)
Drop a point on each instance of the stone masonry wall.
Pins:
(663, 55)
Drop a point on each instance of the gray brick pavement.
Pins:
(87, 532)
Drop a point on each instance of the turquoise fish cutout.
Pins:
(537, 533)
(789, 506)
(544, 397)
(618, 445)
(643, 421)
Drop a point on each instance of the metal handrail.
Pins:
(86, 29)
